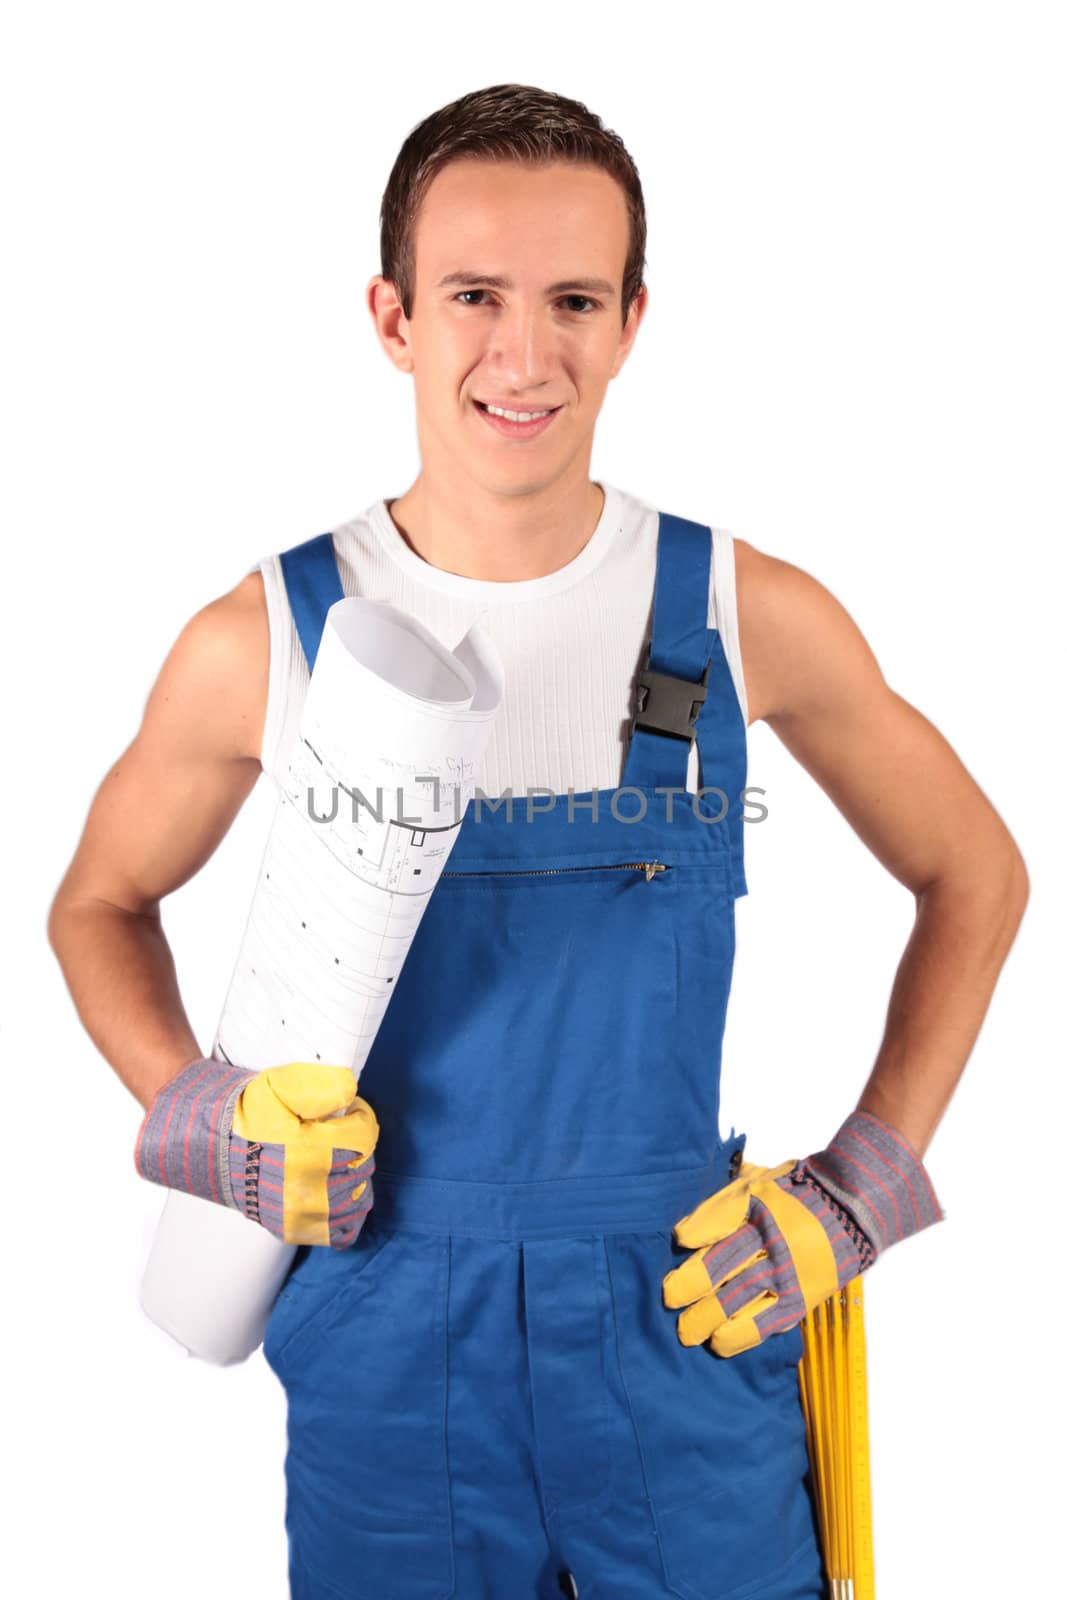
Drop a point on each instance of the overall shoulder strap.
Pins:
(686, 689)
(313, 584)
(672, 681)
(722, 740)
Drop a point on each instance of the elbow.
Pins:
(1008, 889)
(1003, 898)
(1009, 881)
(1018, 891)
(1015, 896)
(58, 921)
(54, 924)
(993, 882)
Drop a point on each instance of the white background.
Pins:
(853, 357)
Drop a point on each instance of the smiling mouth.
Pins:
(538, 410)
(513, 432)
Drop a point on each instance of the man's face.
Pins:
(546, 335)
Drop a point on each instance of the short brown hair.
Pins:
(507, 122)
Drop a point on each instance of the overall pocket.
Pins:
(368, 1509)
(317, 1276)
(722, 1440)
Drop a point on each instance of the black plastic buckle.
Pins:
(666, 704)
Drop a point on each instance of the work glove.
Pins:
(780, 1240)
(285, 1146)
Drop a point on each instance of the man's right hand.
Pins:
(285, 1146)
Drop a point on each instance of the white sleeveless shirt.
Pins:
(571, 643)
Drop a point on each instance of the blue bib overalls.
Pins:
(486, 1391)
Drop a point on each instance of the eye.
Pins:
(584, 298)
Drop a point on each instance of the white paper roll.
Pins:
(391, 740)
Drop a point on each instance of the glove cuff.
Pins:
(877, 1177)
(865, 1248)
(183, 1141)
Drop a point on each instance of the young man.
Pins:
(496, 1380)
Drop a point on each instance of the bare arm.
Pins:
(814, 679)
(158, 816)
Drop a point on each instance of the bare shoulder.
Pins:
(167, 801)
(218, 671)
(801, 651)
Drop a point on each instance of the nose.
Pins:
(523, 348)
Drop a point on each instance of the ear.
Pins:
(634, 318)
(390, 323)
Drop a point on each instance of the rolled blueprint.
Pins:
(391, 739)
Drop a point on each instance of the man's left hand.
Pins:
(780, 1240)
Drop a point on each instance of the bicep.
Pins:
(889, 771)
(896, 780)
(165, 805)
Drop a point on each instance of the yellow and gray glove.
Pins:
(285, 1146)
(780, 1240)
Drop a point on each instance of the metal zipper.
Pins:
(649, 868)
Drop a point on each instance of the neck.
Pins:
(494, 537)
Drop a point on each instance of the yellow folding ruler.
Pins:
(833, 1394)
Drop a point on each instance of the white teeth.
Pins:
(517, 416)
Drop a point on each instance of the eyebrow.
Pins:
(471, 280)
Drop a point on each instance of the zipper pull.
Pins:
(652, 867)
